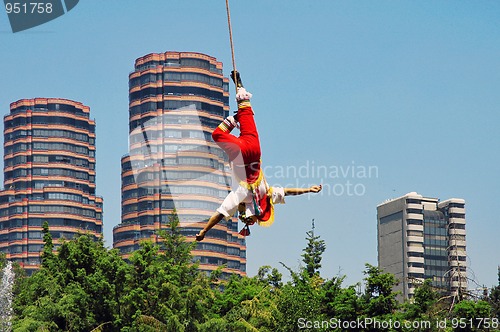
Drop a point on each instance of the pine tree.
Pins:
(313, 252)
(48, 247)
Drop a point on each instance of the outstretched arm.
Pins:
(300, 191)
(214, 220)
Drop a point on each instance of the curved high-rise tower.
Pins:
(49, 175)
(176, 100)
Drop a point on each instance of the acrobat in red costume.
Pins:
(254, 199)
(243, 151)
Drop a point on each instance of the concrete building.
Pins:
(49, 175)
(176, 100)
(423, 238)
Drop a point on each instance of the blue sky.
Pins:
(408, 89)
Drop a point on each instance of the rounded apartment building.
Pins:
(49, 175)
(176, 100)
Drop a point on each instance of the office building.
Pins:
(423, 238)
(49, 175)
(176, 100)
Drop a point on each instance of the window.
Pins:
(64, 197)
(62, 147)
(192, 62)
(456, 205)
(35, 221)
(60, 172)
(457, 226)
(61, 134)
(34, 235)
(414, 222)
(52, 119)
(200, 106)
(415, 233)
(40, 159)
(413, 201)
(147, 65)
(173, 133)
(35, 247)
(172, 76)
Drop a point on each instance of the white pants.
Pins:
(242, 195)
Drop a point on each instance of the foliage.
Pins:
(494, 298)
(379, 298)
(166, 288)
(471, 314)
(300, 298)
(75, 290)
(425, 299)
(342, 303)
(87, 287)
(3, 261)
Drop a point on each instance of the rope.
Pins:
(231, 40)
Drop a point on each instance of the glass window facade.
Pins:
(436, 248)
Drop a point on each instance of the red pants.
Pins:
(243, 151)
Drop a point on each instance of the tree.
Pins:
(313, 252)
(470, 314)
(423, 302)
(3, 260)
(494, 298)
(48, 247)
(270, 276)
(165, 287)
(299, 298)
(246, 304)
(339, 302)
(78, 289)
(379, 297)
(86, 287)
